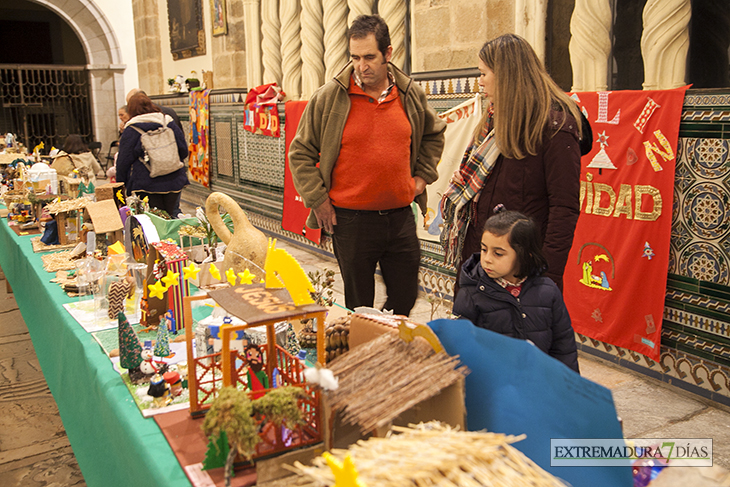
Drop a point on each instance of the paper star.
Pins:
(157, 290)
(246, 277)
(231, 276)
(344, 472)
(171, 279)
(215, 272)
(603, 138)
(191, 271)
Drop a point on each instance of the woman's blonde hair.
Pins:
(524, 95)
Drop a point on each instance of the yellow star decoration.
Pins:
(191, 271)
(171, 279)
(246, 277)
(231, 276)
(157, 290)
(215, 272)
(344, 472)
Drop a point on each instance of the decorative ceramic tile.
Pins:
(698, 322)
(261, 158)
(698, 301)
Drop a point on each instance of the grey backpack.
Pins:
(160, 148)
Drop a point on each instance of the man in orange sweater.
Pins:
(366, 147)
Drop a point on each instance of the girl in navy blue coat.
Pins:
(502, 289)
(163, 192)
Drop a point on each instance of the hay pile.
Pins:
(433, 454)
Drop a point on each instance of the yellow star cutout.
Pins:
(215, 272)
(157, 290)
(191, 271)
(344, 472)
(231, 276)
(246, 277)
(171, 279)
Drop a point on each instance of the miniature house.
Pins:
(105, 217)
(400, 380)
(67, 215)
(258, 306)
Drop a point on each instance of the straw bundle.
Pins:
(67, 205)
(384, 377)
(58, 261)
(433, 454)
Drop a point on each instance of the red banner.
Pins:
(616, 275)
(295, 213)
(261, 119)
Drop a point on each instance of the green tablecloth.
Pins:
(113, 443)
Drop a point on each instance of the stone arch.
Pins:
(103, 54)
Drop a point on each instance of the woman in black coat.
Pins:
(163, 192)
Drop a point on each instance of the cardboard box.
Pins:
(109, 192)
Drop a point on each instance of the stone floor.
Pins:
(34, 449)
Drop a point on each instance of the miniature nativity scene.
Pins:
(239, 356)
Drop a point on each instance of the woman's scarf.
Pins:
(458, 205)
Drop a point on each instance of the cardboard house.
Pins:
(105, 217)
(445, 403)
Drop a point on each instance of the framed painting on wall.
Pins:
(187, 33)
(218, 13)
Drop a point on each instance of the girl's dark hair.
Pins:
(524, 237)
(74, 144)
(140, 104)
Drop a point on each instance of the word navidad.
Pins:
(629, 202)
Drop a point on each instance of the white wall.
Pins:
(119, 15)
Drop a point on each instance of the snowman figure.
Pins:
(147, 366)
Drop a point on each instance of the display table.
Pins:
(113, 443)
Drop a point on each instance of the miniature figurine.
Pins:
(160, 391)
(174, 381)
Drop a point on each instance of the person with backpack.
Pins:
(152, 149)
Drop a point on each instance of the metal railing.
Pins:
(44, 103)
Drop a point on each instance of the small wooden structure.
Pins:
(61, 211)
(258, 306)
(105, 217)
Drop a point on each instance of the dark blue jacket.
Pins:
(538, 314)
(135, 175)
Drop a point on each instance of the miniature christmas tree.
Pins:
(162, 346)
(217, 452)
(129, 346)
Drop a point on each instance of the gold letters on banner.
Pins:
(595, 203)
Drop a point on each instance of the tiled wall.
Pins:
(695, 350)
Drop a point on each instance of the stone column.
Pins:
(312, 47)
(358, 7)
(335, 36)
(149, 48)
(252, 22)
(271, 43)
(394, 14)
(590, 45)
(291, 48)
(530, 17)
(665, 42)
